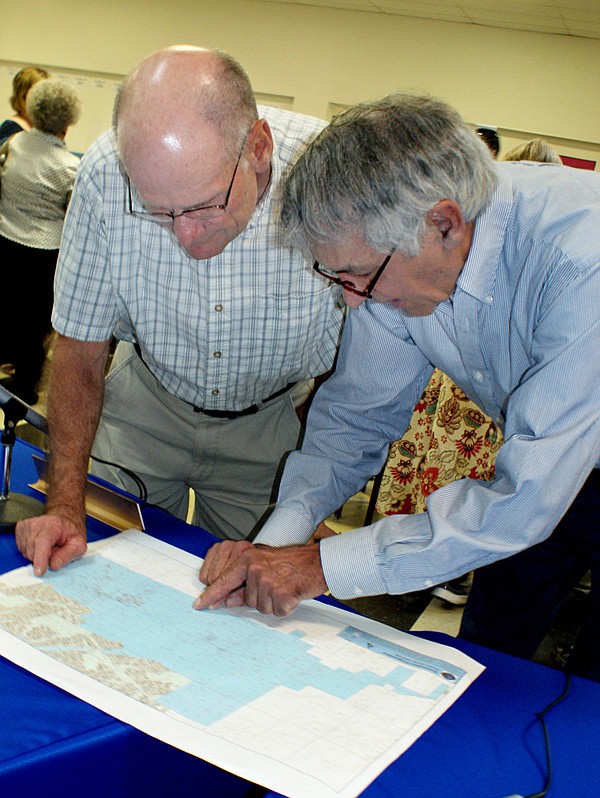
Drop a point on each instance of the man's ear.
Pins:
(448, 218)
(260, 141)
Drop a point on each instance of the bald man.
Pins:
(172, 246)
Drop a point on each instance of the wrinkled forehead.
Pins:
(173, 165)
(167, 140)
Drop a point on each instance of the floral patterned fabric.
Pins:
(448, 438)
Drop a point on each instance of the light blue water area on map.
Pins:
(448, 671)
(158, 623)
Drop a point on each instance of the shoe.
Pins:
(455, 592)
(583, 587)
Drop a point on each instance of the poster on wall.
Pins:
(578, 163)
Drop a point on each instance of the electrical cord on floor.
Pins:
(541, 716)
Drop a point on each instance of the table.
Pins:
(487, 745)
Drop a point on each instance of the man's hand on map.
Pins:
(273, 580)
(219, 557)
(50, 541)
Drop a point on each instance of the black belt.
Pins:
(247, 411)
(229, 414)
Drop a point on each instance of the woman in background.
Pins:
(490, 137)
(533, 150)
(37, 178)
(22, 83)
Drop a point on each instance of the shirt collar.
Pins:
(478, 275)
(35, 133)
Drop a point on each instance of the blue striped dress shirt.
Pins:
(521, 336)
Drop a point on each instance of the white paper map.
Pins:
(316, 704)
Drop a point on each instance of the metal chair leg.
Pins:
(373, 498)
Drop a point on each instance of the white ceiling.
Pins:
(564, 17)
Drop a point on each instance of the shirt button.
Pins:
(489, 299)
(218, 308)
(216, 354)
(215, 391)
(357, 591)
(478, 376)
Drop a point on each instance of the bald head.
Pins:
(170, 93)
(189, 138)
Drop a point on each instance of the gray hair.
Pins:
(379, 168)
(227, 103)
(53, 105)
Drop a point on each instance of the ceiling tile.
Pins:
(566, 17)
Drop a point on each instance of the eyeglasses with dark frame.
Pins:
(367, 292)
(200, 212)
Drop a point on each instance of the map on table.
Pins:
(318, 703)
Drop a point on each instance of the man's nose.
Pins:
(351, 299)
(188, 230)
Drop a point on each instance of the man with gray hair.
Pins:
(173, 245)
(492, 274)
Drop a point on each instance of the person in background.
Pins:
(22, 82)
(491, 139)
(533, 150)
(491, 272)
(38, 174)
(173, 245)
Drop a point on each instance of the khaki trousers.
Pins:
(231, 465)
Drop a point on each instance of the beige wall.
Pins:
(526, 83)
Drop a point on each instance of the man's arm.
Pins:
(75, 398)
(365, 404)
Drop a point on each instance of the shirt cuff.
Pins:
(350, 566)
(285, 527)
